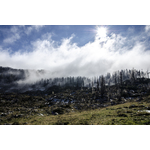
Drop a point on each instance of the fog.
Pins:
(104, 54)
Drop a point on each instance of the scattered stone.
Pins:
(148, 111)
(148, 108)
(35, 110)
(3, 114)
(10, 112)
(41, 114)
(56, 113)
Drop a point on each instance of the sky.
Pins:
(125, 47)
(75, 50)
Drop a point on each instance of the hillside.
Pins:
(129, 113)
(122, 98)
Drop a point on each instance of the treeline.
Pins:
(117, 77)
(9, 75)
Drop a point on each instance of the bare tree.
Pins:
(121, 80)
(132, 76)
(102, 86)
(115, 78)
(97, 85)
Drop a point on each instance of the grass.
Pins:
(129, 113)
(122, 114)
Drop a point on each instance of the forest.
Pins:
(23, 99)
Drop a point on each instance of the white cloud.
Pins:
(29, 29)
(14, 35)
(130, 30)
(68, 59)
(38, 27)
(147, 30)
(16, 32)
(12, 38)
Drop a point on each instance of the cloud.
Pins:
(16, 32)
(29, 29)
(12, 39)
(114, 53)
(147, 29)
(130, 30)
(38, 27)
(14, 35)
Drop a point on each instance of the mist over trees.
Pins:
(41, 79)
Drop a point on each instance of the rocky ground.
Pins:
(20, 108)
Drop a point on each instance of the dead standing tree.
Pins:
(132, 78)
(97, 85)
(120, 88)
(102, 86)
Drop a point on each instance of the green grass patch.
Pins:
(131, 113)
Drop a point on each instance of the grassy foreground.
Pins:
(130, 113)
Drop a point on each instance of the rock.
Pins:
(148, 111)
(148, 108)
(41, 114)
(9, 112)
(3, 114)
(18, 116)
(54, 113)
(35, 110)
